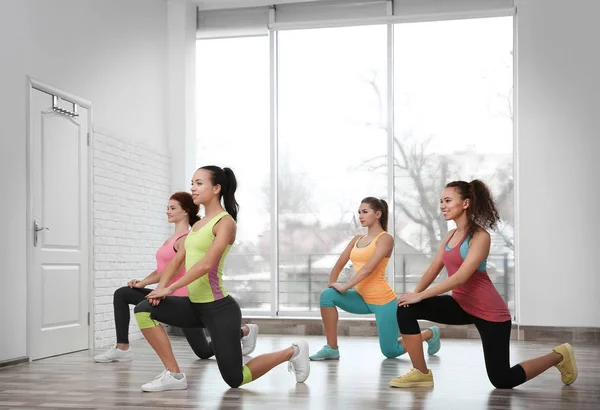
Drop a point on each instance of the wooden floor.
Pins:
(358, 381)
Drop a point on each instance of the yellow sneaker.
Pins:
(567, 366)
(414, 378)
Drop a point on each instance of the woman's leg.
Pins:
(495, 337)
(222, 320)
(440, 309)
(350, 301)
(173, 310)
(387, 329)
(122, 298)
(197, 340)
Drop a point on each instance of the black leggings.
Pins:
(222, 318)
(495, 336)
(126, 296)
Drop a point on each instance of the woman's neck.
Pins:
(181, 226)
(212, 209)
(462, 224)
(373, 231)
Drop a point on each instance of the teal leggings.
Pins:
(385, 317)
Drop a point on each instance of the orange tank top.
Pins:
(374, 289)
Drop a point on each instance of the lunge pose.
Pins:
(208, 304)
(474, 298)
(182, 212)
(369, 254)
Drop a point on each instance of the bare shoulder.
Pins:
(386, 238)
(227, 223)
(481, 234)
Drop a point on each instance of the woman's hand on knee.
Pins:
(340, 287)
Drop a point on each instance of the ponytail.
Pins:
(226, 178)
(482, 210)
(231, 205)
(381, 206)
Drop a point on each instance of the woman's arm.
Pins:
(434, 268)
(383, 248)
(478, 251)
(172, 268)
(342, 261)
(151, 278)
(224, 232)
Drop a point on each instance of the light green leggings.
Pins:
(385, 316)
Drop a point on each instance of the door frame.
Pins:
(36, 85)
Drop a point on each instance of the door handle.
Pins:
(37, 228)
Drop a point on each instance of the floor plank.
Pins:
(358, 381)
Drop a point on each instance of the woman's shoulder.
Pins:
(481, 233)
(385, 238)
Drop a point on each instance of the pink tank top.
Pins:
(163, 256)
(477, 296)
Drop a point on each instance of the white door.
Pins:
(58, 293)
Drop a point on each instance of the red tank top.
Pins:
(477, 296)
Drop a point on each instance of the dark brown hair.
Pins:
(482, 210)
(226, 178)
(187, 204)
(378, 205)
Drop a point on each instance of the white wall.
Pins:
(181, 69)
(111, 52)
(558, 155)
(131, 185)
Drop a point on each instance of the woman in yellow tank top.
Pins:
(370, 255)
(208, 304)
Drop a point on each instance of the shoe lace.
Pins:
(161, 375)
(411, 371)
(291, 367)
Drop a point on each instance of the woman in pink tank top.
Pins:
(183, 213)
(474, 298)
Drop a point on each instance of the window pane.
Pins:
(233, 130)
(453, 120)
(332, 150)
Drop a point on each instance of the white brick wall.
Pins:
(131, 190)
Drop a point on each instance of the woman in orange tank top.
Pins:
(370, 255)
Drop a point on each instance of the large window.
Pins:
(453, 120)
(451, 100)
(232, 81)
(329, 130)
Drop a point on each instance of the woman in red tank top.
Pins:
(474, 298)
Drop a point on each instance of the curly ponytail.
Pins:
(482, 210)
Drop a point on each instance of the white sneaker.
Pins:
(249, 342)
(300, 364)
(165, 381)
(114, 355)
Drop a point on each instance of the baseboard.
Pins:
(12, 362)
(354, 327)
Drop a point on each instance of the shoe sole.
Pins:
(323, 359)
(113, 360)
(412, 384)
(165, 389)
(255, 338)
(573, 363)
(304, 350)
